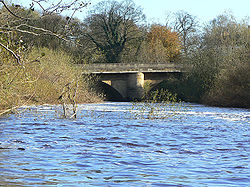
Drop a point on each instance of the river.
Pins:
(109, 145)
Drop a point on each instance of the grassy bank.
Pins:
(45, 76)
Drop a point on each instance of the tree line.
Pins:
(218, 59)
(35, 67)
(113, 32)
(216, 53)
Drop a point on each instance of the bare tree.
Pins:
(111, 25)
(15, 19)
(186, 25)
(17, 24)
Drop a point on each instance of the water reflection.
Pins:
(105, 146)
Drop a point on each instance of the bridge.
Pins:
(128, 80)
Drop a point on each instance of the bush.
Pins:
(44, 77)
(220, 67)
(231, 87)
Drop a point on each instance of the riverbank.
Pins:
(45, 76)
(228, 95)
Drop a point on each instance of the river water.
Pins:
(110, 145)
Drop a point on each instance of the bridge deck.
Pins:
(131, 68)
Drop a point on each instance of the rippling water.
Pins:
(106, 146)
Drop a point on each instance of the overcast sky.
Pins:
(205, 10)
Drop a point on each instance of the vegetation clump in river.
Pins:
(158, 104)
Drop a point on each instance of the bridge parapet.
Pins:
(122, 67)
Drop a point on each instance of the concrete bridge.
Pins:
(128, 80)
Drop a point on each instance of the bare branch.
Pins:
(59, 7)
(48, 32)
(8, 30)
(13, 53)
(75, 10)
(12, 13)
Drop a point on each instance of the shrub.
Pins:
(45, 77)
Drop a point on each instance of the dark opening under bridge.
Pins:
(128, 80)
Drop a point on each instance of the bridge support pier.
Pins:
(135, 83)
(130, 85)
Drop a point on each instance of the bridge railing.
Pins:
(118, 67)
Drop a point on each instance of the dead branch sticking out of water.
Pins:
(69, 95)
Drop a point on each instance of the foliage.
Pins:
(158, 104)
(217, 57)
(221, 63)
(163, 44)
(32, 76)
(43, 78)
(217, 64)
(231, 87)
(111, 25)
(46, 28)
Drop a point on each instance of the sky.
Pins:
(204, 10)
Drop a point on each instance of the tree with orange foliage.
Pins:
(163, 44)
